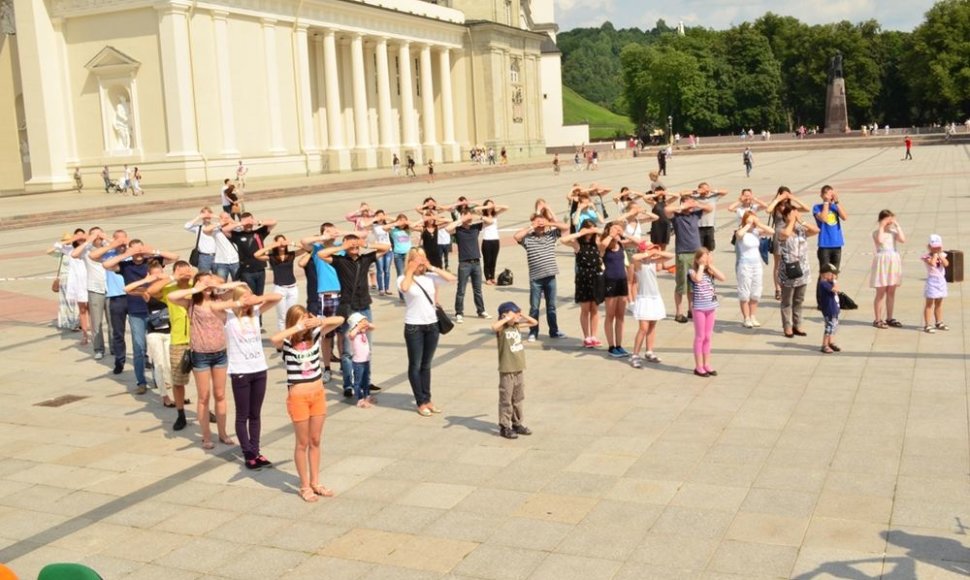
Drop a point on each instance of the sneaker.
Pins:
(141, 389)
(755, 323)
(522, 430)
(508, 433)
(587, 343)
(747, 323)
(118, 368)
(98, 355)
(615, 352)
(623, 352)
(179, 423)
(327, 375)
(532, 338)
(558, 334)
(459, 318)
(484, 315)
(636, 362)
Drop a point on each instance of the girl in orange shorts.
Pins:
(305, 399)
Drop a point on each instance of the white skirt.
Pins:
(649, 308)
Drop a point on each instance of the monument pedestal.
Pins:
(836, 108)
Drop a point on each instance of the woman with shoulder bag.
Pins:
(793, 272)
(419, 284)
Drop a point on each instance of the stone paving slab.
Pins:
(789, 464)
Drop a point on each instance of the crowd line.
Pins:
(203, 316)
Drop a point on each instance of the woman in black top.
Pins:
(430, 222)
(281, 256)
(659, 228)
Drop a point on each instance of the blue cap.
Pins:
(507, 307)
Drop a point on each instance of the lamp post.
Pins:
(670, 129)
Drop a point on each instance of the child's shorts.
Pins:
(831, 325)
(303, 402)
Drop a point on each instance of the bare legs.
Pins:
(213, 380)
(589, 318)
(615, 312)
(647, 332)
(934, 308)
(306, 455)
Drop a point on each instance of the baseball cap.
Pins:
(507, 307)
(936, 241)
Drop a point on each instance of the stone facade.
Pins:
(184, 89)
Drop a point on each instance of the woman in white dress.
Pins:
(648, 306)
(73, 280)
(749, 268)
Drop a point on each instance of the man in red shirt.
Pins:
(909, 147)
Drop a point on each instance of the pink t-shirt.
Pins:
(360, 348)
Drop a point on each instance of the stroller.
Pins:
(116, 186)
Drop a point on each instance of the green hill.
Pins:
(603, 124)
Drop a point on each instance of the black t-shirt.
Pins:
(467, 240)
(247, 244)
(352, 274)
(283, 268)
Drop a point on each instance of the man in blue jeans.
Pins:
(465, 231)
(116, 298)
(352, 265)
(539, 239)
(249, 237)
(133, 267)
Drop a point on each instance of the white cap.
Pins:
(936, 241)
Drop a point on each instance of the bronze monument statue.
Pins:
(836, 106)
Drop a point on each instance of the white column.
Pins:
(220, 21)
(70, 130)
(303, 86)
(173, 37)
(321, 91)
(451, 150)
(384, 115)
(339, 157)
(427, 104)
(271, 60)
(360, 91)
(409, 131)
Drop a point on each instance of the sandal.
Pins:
(789, 335)
(424, 412)
(432, 408)
(307, 494)
(941, 326)
(227, 441)
(321, 490)
(880, 324)
(827, 350)
(894, 323)
(835, 347)
(929, 329)
(208, 445)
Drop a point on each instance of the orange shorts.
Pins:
(305, 401)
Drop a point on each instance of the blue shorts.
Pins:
(203, 361)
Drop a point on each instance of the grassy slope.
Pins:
(603, 123)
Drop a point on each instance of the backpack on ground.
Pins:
(504, 278)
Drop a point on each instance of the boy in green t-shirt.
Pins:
(511, 365)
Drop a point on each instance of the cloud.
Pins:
(721, 14)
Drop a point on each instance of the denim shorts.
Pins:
(203, 361)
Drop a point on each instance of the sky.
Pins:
(722, 14)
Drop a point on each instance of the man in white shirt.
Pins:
(96, 288)
(205, 244)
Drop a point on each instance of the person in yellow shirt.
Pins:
(161, 287)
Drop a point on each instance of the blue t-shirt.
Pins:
(828, 300)
(830, 234)
(327, 280)
(114, 284)
(401, 240)
(132, 272)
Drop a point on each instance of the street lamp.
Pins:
(670, 129)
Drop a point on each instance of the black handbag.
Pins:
(185, 363)
(444, 322)
(793, 270)
(194, 255)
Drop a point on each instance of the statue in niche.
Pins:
(122, 123)
(517, 100)
(7, 23)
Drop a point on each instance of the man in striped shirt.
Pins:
(539, 239)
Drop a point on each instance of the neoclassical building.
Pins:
(184, 89)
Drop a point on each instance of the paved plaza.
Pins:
(789, 463)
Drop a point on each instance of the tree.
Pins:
(937, 64)
(755, 80)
